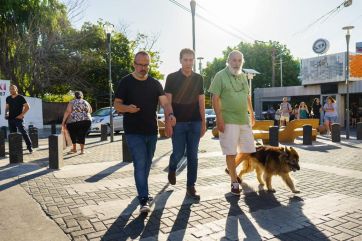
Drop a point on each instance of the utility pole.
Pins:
(200, 64)
(193, 10)
(273, 67)
(281, 71)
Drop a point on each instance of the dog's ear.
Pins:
(286, 150)
(291, 148)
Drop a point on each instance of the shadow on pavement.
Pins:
(106, 172)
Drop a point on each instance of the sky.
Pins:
(285, 21)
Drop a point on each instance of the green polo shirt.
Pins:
(233, 92)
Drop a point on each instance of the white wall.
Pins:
(34, 115)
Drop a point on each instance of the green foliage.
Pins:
(258, 56)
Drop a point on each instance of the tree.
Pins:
(258, 56)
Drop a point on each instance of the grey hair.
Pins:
(234, 52)
(78, 94)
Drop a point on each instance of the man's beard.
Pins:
(234, 71)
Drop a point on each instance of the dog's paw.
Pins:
(271, 190)
(296, 191)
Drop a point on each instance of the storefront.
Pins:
(321, 76)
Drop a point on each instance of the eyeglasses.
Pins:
(142, 65)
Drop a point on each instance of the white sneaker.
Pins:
(145, 208)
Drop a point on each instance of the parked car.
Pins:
(101, 116)
(210, 117)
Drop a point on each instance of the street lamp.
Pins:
(348, 36)
(200, 64)
(193, 9)
(108, 28)
(250, 73)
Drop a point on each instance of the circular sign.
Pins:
(321, 46)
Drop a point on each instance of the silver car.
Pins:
(101, 116)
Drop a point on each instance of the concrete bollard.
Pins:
(307, 135)
(359, 131)
(274, 136)
(34, 137)
(336, 132)
(56, 151)
(4, 129)
(2, 144)
(53, 128)
(104, 130)
(15, 148)
(126, 154)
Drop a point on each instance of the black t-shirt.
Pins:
(16, 105)
(185, 95)
(144, 95)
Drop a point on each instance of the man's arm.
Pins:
(251, 111)
(120, 107)
(6, 110)
(165, 102)
(202, 113)
(26, 107)
(217, 108)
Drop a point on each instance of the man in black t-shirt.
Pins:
(137, 96)
(185, 91)
(15, 110)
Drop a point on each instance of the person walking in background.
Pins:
(303, 112)
(285, 109)
(184, 89)
(15, 110)
(330, 113)
(77, 120)
(232, 102)
(137, 96)
(294, 113)
(354, 114)
(316, 108)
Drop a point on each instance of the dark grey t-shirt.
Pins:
(185, 95)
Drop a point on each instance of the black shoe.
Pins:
(191, 192)
(237, 178)
(30, 150)
(172, 177)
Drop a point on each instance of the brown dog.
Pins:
(268, 161)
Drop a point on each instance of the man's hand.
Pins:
(203, 128)
(168, 129)
(172, 120)
(20, 117)
(220, 124)
(252, 120)
(133, 109)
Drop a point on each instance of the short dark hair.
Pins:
(186, 51)
(142, 52)
(78, 94)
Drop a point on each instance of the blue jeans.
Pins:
(17, 124)
(186, 135)
(142, 148)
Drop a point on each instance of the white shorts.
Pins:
(237, 139)
(284, 118)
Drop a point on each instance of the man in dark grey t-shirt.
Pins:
(185, 91)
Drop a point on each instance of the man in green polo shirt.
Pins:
(231, 101)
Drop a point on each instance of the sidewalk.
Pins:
(93, 197)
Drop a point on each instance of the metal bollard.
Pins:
(126, 154)
(359, 131)
(5, 131)
(53, 128)
(2, 144)
(15, 148)
(34, 137)
(56, 151)
(307, 135)
(336, 132)
(104, 130)
(274, 136)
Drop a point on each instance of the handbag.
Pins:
(67, 141)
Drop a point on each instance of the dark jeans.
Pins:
(78, 130)
(186, 135)
(142, 148)
(16, 125)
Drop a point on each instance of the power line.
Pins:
(208, 21)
